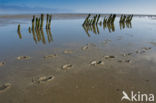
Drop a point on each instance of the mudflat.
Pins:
(76, 63)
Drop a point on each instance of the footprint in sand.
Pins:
(106, 41)
(109, 57)
(88, 45)
(127, 54)
(147, 48)
(2, 63)
(84, 48)
(126, 61)
(23, 57)
(143, 50)
(66, 66)
(96, 62)
(50, 56)
(68, 52)
(153, 43)
(43, 79)
(4, 87)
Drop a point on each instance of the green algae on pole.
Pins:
(94, 20)
(36, 23)
(33, 20)
(86, 20)
(113, 18)
(49, 23)
(98, 19)
(47, 20)
(42, 21)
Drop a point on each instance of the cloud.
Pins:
(24, 8)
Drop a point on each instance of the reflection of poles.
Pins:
(50, 38)
(42, 36)
(38, 35)
(129, 24)
(109, 27)
(49, 35)
(126, 23)
(97, 28)
(122, 25)
(29, 30)
(48, 21)
(94, 29)
(34, 36)
(19, 31)
(86, 30)
(113, 27)
(104, 23)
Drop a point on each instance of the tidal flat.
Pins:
(69, 60)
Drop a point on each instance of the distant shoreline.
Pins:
(63, 15)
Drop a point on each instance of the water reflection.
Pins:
(91, 24)
(37, 29)
(125, 21)
(124, 25)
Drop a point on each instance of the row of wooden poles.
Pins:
(95, 19)
(126, 18)
(91, 23)
(110, 19)
(37, 28)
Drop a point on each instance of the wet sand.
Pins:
(66, 74)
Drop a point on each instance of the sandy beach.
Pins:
(71, 67)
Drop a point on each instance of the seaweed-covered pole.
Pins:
(113, 18)
(124, 18)
(94, 20)
(36, 26)
(98, 19)
(19, 31)
(33, 20)
(38, 23)
(42, 36)
(42, 21)
(19, 27)
(47, 21)
(121, 18)
(86, 20)
(109, 19)
(104, 20)
(129, 18)
(91, 21)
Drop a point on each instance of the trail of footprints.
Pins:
(65, 67)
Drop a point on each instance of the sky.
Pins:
(79, 6)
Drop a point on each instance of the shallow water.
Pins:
(83, 82)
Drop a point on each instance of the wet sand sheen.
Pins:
(78, 73)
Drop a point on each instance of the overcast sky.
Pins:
(80, 6)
